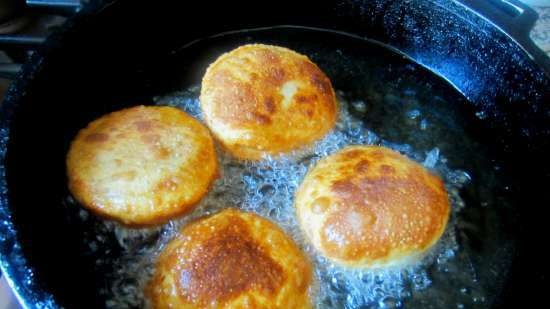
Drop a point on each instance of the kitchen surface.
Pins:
(40, 24)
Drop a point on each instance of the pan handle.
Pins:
(515, 19)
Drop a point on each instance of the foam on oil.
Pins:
(267, 188)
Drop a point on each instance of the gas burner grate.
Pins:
(24, 25)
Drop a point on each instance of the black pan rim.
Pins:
(31, 294)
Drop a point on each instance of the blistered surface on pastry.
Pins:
(141, 165)
(261, 99)
(231, 260)
(371, 206)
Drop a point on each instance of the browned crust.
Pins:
(246, 109)
(229, 259)
(383, 207)
(127, 147)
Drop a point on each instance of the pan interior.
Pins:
(385, 99)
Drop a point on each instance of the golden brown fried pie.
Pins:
(371, 207)
(232, 259)
(141, 165)
(263, 99)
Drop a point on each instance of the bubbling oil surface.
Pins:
(385, 99)
(267, 188)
